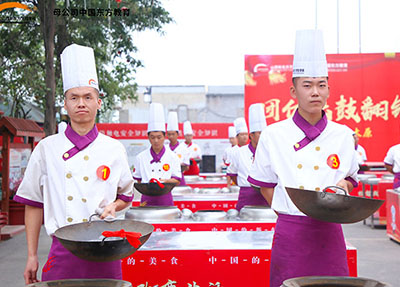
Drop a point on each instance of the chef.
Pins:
(157, 161)
(309, 152)
(174, 145)
(194, 150)
(226, 157)
(361, 154)
(242, 133)
(230, 149)
(392, 164)
(72, 174)
(241, 161)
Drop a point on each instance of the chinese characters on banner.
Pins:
(364, 94)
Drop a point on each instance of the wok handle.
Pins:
(335, 187)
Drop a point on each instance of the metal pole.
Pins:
(337, 22)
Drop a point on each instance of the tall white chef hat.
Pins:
(78, 67)
(172, 122)
(231, 132)
(240, 125)
(257, 120)
(309, 55)
(187, 128)
(156, 121)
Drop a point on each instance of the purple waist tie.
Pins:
(303, 246)
(162, 200)
(250, 196)
(396, 182)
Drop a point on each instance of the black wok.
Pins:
(153, 189)
(333, 207)
(82, 283)
(323, 281)
(85, 241)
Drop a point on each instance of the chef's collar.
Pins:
(252, 149)
(173, 147)
(80, 142)
(311, 132)
(156, 157)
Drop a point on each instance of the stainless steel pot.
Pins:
(323, 281)
(209, 215)
(182, 190)
(82, 283)
(154, 213)
(253, 212)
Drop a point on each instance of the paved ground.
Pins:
(378, 257)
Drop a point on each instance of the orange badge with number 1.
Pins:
(333, 161)
(166, 167)
(103, 172)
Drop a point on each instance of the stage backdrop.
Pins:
(364, 94)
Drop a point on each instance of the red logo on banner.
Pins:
(166, 167)
(333, 161)
(103, 172)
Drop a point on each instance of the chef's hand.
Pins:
(31, 268)
(109, 210)
(346, 185)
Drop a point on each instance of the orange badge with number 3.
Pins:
(333, 161)
(103, 172)
(166, 167)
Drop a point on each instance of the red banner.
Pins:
(139, 131)
(364, 94)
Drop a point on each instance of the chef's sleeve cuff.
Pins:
(353, 182)
(388, 163)
(125, 197)
(137, 178)
(260, 183)
(231, 174)
(29, 202)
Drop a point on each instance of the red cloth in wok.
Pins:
(132, 237)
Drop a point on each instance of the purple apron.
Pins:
(396, 182)
(62, 264)
(182, 182)
(162, 200)
(303, 246)
(250, 196)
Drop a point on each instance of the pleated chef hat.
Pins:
(231, 131)
(78, 67)
(172, 122)
(156, 118)
(257, 118)
(309, 55)
(187, 128)
(240, 125)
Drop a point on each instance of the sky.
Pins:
(208, 40)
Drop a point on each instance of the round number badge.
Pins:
(333, 161)
(103, 172)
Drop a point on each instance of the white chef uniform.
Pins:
(71, 190)
(361, 154)
(392, 158)
(231, 149)
(180, 149)
(194, 149)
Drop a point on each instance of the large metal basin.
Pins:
(254, 212)
(323, 281)
(153, 213)
(83, 283)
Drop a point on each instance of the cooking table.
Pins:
(188, 259)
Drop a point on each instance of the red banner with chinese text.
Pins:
(364, 94)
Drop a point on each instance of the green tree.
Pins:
(30, 52)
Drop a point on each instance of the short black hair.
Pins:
(294, 80)
(148, 133)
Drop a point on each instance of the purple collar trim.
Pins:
(156, 157)
(252, 149)
(311, 132)
(173, 147)
(80, 142)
